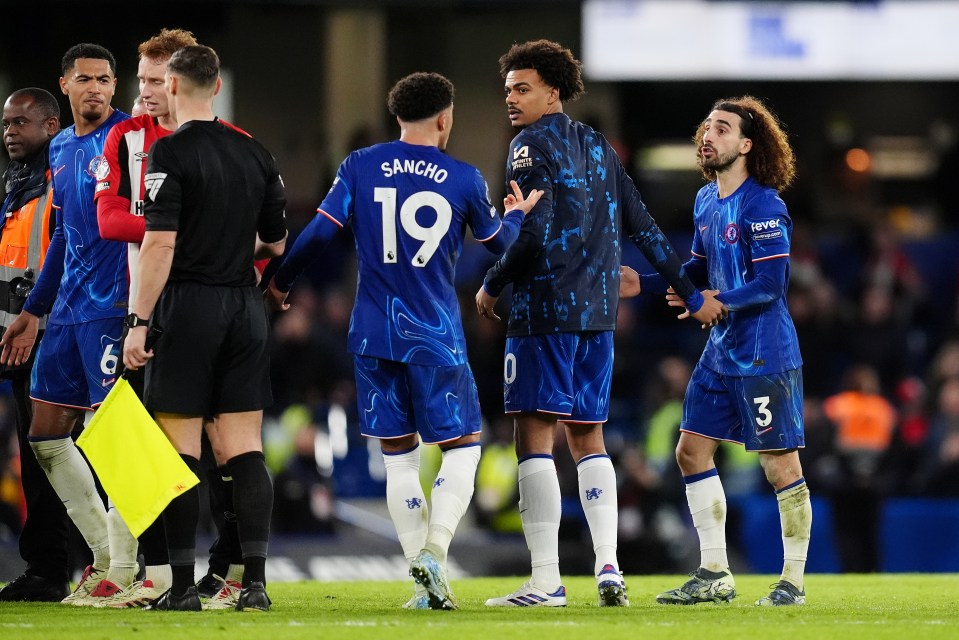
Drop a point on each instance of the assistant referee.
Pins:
(214, 201)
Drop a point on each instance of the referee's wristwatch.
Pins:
(133, 320)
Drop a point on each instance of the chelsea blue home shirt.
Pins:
(83, 276)
(409, 207)
(741, 247)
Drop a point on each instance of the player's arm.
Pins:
(643, 231)
(331, 216)
(695, 268)
(271, 229)
(768, 238)
(521, 254)
(309, 243)
(768, 284)
(44, 292)
(162, 215)
(116, 222)
(263, 250)
(112, 195)
(156, 258)
(153, 266)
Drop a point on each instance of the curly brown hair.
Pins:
(555, 64)
(165, 44)
(771, 160)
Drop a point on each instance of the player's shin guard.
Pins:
(707, 505)
(540, 509)
(452, 491)
(795, 516)
(406, 501)
(179, 522)
(253, 500)
(72, 479)
(597, 494)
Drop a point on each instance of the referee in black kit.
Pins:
(214, 200)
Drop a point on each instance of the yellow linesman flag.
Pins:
(135, 462)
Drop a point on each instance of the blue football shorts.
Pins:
(764, 413)
(76, 364)
(396, 399)
(567, 374)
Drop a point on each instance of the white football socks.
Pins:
(123, 550)
(234, 573)
(795, 517)
(406, 500)
(451, 496)
(72, 479)
(707, 505)
(161, 575)
(597, 494)
(540, 509)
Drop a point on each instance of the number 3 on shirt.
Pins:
(429, 236)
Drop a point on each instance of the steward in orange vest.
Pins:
(31, 117)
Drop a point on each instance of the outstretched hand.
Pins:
(516, 200)
(708, 315)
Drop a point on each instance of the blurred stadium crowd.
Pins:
(878, 322)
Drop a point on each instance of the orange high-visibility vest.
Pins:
(24, 240)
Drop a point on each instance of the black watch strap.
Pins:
(133, 320)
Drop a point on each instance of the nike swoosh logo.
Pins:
(702, 229)
(59, 169)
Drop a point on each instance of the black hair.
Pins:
(86, 50)
(419, 96)
(555, 64)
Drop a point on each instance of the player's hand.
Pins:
(19, 338)
(516, 200)
(708, 315)
(275, 298)
(628, 282)
(135, 354)
(485, 303)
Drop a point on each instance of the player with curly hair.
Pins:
(564, 268)
(747, 386)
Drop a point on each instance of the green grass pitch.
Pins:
(910, 606)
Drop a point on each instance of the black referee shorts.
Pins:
(213, 356)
